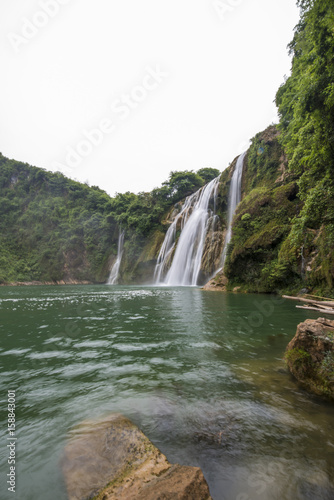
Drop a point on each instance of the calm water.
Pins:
(201, 374)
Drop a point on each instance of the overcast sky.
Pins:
(120, 92)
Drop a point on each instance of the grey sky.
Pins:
(171, 85)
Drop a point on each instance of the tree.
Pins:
(208, 173)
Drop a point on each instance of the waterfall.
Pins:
(233, 201)
(113, 277)
(196, 219)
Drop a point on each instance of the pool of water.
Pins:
(201, 373)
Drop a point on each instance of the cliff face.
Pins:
(263, 218)
(275, 246)
(284, 228)
(140, 257)
(142, 270)
(54, 229)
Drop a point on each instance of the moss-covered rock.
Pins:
(310, 356)
(263, 220)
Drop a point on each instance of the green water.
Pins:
(201, 374)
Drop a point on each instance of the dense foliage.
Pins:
(306, 108)
(284, 227)
(53, 228)
(263, 218)
(306, 100)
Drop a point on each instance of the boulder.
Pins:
(310, 356)
(217, 284)
(112, 459)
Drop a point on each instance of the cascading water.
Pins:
(196, 220)
(113, 277)
(233, 201)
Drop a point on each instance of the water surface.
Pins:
(201, 373)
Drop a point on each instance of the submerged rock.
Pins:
(112, 459)
(310, 356)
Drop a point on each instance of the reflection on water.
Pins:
(200, 373)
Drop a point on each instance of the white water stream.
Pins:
(234, 199)
(196, 220)
(182, 266)
(113, 277)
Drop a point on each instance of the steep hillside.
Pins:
(283, 234)
(306, 108)
(281, 241)
(53, 229)
(263, 219)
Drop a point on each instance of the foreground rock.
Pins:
(310, 356)
(113, 460)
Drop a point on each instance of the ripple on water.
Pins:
(50, 354)
(15, 352)
(173, 363)
(92, 343)
(75, 369)
(53, 340)
(141, 346)
(182, 369)
(87, 354)
(210, 345)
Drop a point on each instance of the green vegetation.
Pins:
(315, 372)
(208, 174)
(300, 361)
(265, 157)
(263, 219)
(284, 228)
(53, 228)
(327, 366)
(306, 108)
(306, 100)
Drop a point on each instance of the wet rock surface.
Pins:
(217, 284)
(310, 356)
(112, 459)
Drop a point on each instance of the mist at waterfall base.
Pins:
(198, 220)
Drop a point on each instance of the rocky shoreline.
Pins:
(41, 283)
(220, 284)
